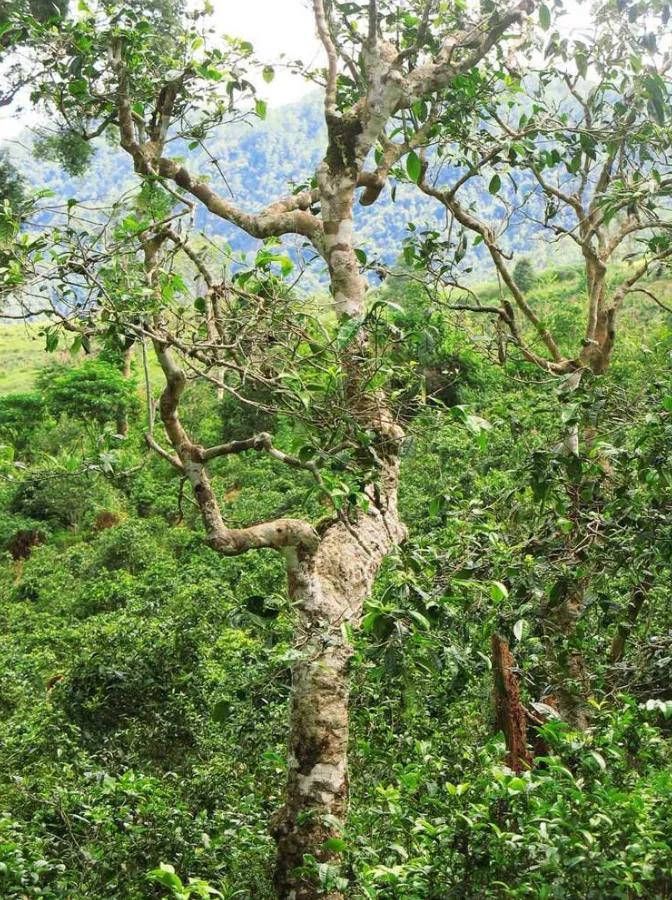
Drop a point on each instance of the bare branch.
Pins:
(469, 221)
(652, 296)
(174, 460)
(373, 23)
(286, 216)
(192, 254)
(332, 57)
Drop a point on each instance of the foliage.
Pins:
(11, 183)
(523, 275)
(147, 659)
(144, 680)
(46, 495)
(94, 392)
(67, 148)
(20, 416)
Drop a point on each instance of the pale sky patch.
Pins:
(275, 27)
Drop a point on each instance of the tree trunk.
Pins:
(569, 666)
(624, 628)
(122, 417)
(328, 588)
(509, 711)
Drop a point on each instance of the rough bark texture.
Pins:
(328, 588)
(509, 711)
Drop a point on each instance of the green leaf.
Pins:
(495, 184)
(210, 73)
(286, 264)
(78, 88)
(574, 164)
(517, 784)
(414, 166)
(544, 17)
(477, 424)
(268, 74)
(347, 331)
(519, 629)
(221, 711)
(654, 87)
(498, 591)
(337, 844)
(261, 108)
(422, 621)
(166, 876)
(599, 759)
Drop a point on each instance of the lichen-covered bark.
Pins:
(328, 589)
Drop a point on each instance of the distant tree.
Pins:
(21, 414)
(590, 178)
(67, 147)
(94, 392)
(592, 174)
(523, 275)
(11, 183)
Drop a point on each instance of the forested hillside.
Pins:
(336, 457)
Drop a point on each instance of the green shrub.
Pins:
(62, 499)
(583, 823)
(21, 415)
(95, 392)
(524, 276)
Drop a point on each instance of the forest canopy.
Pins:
(335, 472)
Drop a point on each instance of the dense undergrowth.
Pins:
(144, 679)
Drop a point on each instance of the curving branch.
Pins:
(262, 442)
(446, 197)
(651, 296)
(172, 458)
(286, 216)
(480, 40)
(190, 458)
(279, 534)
